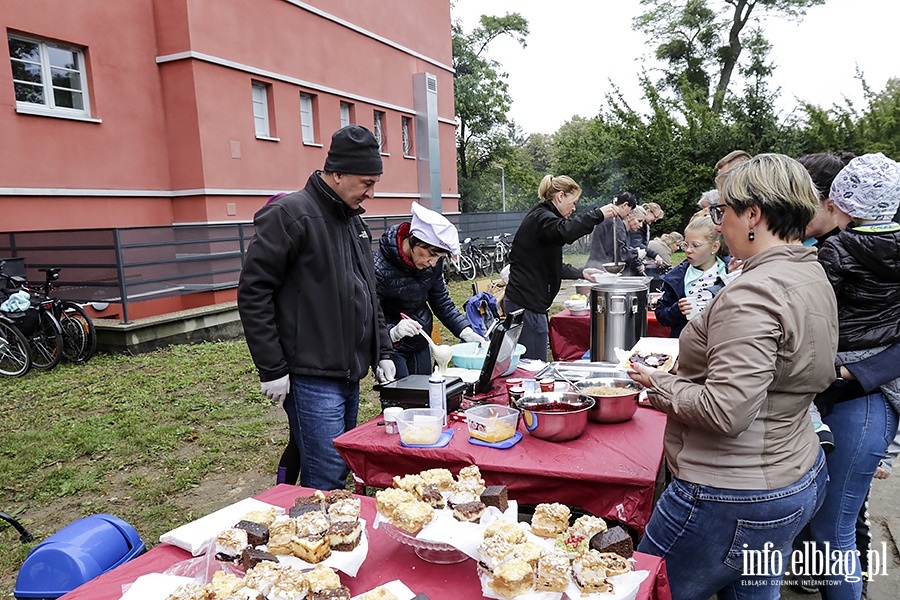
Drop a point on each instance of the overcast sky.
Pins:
(575, 47)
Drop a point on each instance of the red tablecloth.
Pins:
(610, 471)
(387, 560)
(570, 335)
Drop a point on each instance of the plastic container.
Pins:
(390, 419)
(76, 554)
(420, 426)
(469, 355)
(493, 423)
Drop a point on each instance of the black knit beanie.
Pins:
(354, 150)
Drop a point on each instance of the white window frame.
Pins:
(345, 113)
(406, 134)
(306, 118)
(378, 118)
(260, 95)
(48, 106)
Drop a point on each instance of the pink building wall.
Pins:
(171, 137)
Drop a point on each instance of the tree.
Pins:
(482, 100)
(693, 37)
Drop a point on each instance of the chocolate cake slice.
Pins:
(615, 539)
(339, 593)
(250, 557)
(495, 495)
(296, 511)
(257, 533)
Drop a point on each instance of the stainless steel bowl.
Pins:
(612, 409)
(555, 416)
(614, 267)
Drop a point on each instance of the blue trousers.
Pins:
(535, 334)
(731, 543)
(320, 409)
(413, 363)
(862, 428)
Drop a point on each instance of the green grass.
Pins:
(157, 439)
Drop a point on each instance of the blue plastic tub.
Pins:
(76, 554)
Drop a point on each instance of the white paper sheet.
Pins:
(191, 536)
(647, 344)
(396, 587)
(154, 586)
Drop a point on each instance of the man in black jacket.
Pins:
(309, 307)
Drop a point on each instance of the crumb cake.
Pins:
(312, 523)
(589, 572)
(388, 500)
(587, 526)
(263, 576)
(191, 591)
(614, 564)
(412, 516)
(224, 584)
(492, 552)
(615, 540)
(322, 578)
(379, 593)
(529, 552)
(264, 517)
(408, 483)
(338, 593)
(552, 574)
(512, 578)
(229, 544)
(346, 509)
(511, 532)
(550, 519)
(431, 494)
(442, 478)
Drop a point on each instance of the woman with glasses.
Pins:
(688, 288)
(748, 472)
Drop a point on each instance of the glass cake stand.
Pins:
(433, 552)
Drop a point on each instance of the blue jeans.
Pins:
(862, 428)
(413, 363)
(711, 536)
(320, 409)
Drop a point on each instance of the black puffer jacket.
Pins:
(406, 289)
(863, 266)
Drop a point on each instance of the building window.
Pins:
(346, 117)
(379, 130)
(406, 130)
(48, 75)
(261, 109)
(306, 119)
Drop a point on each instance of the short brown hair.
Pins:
(735, 156)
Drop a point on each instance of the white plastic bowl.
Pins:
(470, 355)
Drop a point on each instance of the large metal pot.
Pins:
(611, 408)
(618, 316)
(555, 416)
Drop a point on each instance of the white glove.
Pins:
(276, 389)
(386, 370)
(468, 335)
(641, 253)
(405, 328)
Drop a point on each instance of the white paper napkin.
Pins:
(191, 536)
(154, 586)
(396, 587)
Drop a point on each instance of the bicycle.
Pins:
(45, 338)
(15, 353)
(79, 334)
(502, 248)
(483, 262)
(461, 266)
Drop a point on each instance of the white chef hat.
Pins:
(434, 228)
(868, 187)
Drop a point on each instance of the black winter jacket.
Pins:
(298, 294)
(863, 266)
(536, 266)
(404, 288)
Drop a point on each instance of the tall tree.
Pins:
(481, 96)
(692, 36)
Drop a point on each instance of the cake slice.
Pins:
(191, 591)
(442, 478)
(250, 557)
(312, 523)
(550, 519)
(338, 593)
(496, 495)
(312, 549)
(412, 516)
(492, 552)
(257, 533)
(431, 494)
(552, 574)
(229, 544)
(511, 532)
(345, 510)
(615, 540)
(386, 501)
(322, 578)
(512, 578)
(589, 573)
(264, 517)
(587, 526)
(297, 511)
(224, 584)
(338, 495)
(317, 498)
(469, 512)
(615, 564)
(344, 536)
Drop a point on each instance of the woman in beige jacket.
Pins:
(747, 469)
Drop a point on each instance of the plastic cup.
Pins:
(547, 384)
(390, 419)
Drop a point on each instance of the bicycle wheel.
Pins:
(79, 335)
(485, 264)
(15, 356)
(466, 267)
(46, 342)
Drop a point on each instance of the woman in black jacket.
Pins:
(410, 283)
(536, 266)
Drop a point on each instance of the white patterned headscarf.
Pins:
(868, 188)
